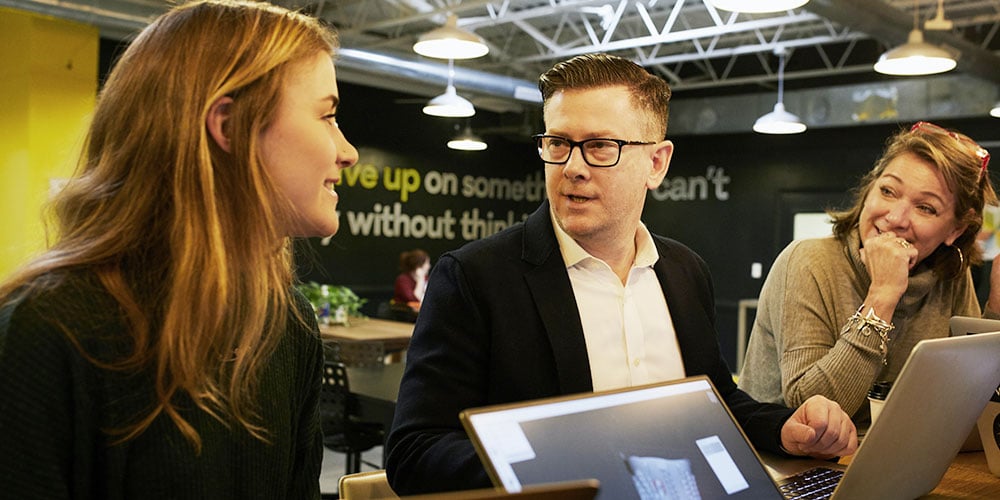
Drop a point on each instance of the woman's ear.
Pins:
(959, 229)
(218, 113)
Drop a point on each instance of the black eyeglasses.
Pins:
(599, 152)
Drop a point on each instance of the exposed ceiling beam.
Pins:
(892, 26)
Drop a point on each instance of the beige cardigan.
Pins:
(799, 345)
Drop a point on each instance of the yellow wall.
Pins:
(48, 84)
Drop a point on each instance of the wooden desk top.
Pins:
(395, 334)
(968, 476)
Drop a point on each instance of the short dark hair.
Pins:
(649, 92)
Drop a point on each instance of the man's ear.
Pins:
(218, 113)
(661, 163)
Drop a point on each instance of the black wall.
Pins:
(728, 197)
(746, 188)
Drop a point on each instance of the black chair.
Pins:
(342, 431)
(395, 312)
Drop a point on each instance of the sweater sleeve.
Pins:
(309, 439)
(818, 352)
(37, 410)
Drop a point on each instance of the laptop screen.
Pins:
(673, 440)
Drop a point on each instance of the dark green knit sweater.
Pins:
(55, 406)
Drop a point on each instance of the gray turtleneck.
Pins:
(800, 344)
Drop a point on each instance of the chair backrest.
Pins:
(355, 352)
(365, 485)
(334, 398)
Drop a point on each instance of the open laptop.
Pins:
(679, 434)
(677, 437)
(967, 325)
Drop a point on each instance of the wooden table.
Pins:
(968, 476)
(394, 334)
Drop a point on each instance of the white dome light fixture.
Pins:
(758, 6)
(779, 121)
(450, 104)
(916, 57)
(450, 42)
(995, 112)
(467, 141)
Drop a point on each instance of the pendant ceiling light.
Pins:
(757, 6)
(995, 112)
(450, 104)
(467, 141)
(450, 42)
(917, 57)
(779, 121)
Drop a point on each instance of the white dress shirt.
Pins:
(630, 336)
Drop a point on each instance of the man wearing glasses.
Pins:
(576, 298)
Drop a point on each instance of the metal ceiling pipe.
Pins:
(423, 77)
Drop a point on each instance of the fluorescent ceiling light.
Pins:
(757, 6)
(450, 42)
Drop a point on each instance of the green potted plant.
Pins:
(333, 304)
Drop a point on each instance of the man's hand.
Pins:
(819, 428)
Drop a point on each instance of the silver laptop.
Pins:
(678, 438)
(671, 440)
(967, 325)
(932, 407)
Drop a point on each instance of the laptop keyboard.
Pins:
(814, 484)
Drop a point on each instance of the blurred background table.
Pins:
(394, 335)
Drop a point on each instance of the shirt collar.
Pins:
(573, 253)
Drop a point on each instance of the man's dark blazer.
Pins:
(499, 323)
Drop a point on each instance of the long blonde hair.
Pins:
(187, 238)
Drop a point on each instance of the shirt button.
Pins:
(635, 362)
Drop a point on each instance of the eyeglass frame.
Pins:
(980, 151)
(579, 145)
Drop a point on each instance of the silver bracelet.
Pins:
(869, 322)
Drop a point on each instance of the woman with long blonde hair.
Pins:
(158, 348)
